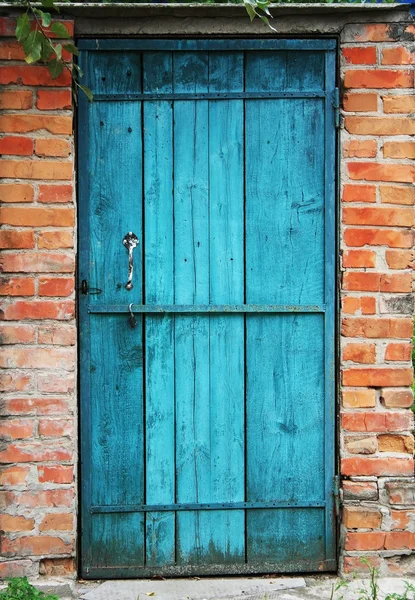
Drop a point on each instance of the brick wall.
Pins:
(38, 357)
(377, 176)
(38, 360)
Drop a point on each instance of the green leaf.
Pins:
(55, 68)
(72, 49)
(87, 92)
(58, 51)
(46, 17)
(78, 69)
(266, 21)
(46, 50)
(250, 10)
(22, 27)
(32, 46)
(60, 30)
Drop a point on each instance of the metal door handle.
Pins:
(130, 241)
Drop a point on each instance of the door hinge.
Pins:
(85, 289)
(336, 106)
(336, 494)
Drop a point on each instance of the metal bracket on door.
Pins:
(130, 241)
(131, 318)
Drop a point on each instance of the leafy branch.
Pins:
(33, 30)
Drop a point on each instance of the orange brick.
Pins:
(359, 398)
(11, 51)
(356, 55)
(53, 286)
(38, 217)
(17, 286)
(39, 309)
(35, 545)
(55, 428)
(38, 262)
(36, 169)
(55, 239)
(11, 381)
(378, 237)
(360, 149)
(399, 398)
(399, 259)
(60, 336)
(54, 99)
(361, 281)
(377, 421)
(377, 32)
(359, 258)
(29, 451)
(14, 357)
(403, 444)
(10, 238)
(398, 55)
(15, 123)
(401, 519)
(399, 352)
(397, 540)
(366, 305)
(361, 518)
(57, 522)
(33, 405)
(16, 429)
(377, 377)
(17, 334)
(55, 474)
(53, 147)
(360, 102)
(381, 172)
(372, 540)
(368, 466)
(15, 145)
(378, 78)
(14, 475)
(359, 193)
(400, 217)
(399, 104)
(397, 194)
(32, 75)
(379, 125)
(360, 353)
(11, 523)
(16, 100)
(377, 328)
(399, 150)
(55, 193)
(396, 282)
(16, 192)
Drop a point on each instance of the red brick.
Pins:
(16, 123)
(39, 309)
(360, 102)
(396, 282)
(377, 32)
(16, 382)
(360, 353)
(378, 237)
(53, 147)
(359, 193)
(16, 429)
(14, 475)
(57, 522)
(399, 150)
(397, 398)
(44, 358)
(15, 145)
(56, 384)
(55, 428)
(362, 282)
(353, 564)
(55, 474)
(377, 421)
(49, 286)
(52, 240)
(399, 55)
(57, 567)
(55, 193)
(360, 490)
(32, 75)
(54, 99)
(399, 104)
(359, 258)
(401, 519)
(16, 192)
(379, 125)
(378, 78)
(360, 149)
(17, 286)
(359, 398)
(37, 499)
(12, 239)
(35, 545)
(36, 406)
(38, 262)
(44, 217)
(356, 55)
(381, 172)
(399, 259)
(33, 452)
(371, 540)
(11, 51)
(16, 100)
(370, 466)
(36, 169)
(361, 518)
(58, 336)
(8, 27)
(397, 194)
(11, 523)
(399, 352)
(393, 217)
(377, 328)
(399, 540)
(377, 377)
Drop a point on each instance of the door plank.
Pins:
(159, 289)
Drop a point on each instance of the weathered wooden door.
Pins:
(207, 430)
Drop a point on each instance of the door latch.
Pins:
(85, 289)
(131, 317)
(130, 241)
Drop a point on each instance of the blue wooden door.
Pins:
(207, 388)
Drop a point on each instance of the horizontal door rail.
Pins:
(206, 308)
(207, 96)
(161, 45)
(204, 506)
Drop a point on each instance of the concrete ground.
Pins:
(256, 588)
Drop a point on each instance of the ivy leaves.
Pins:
(33, 30)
